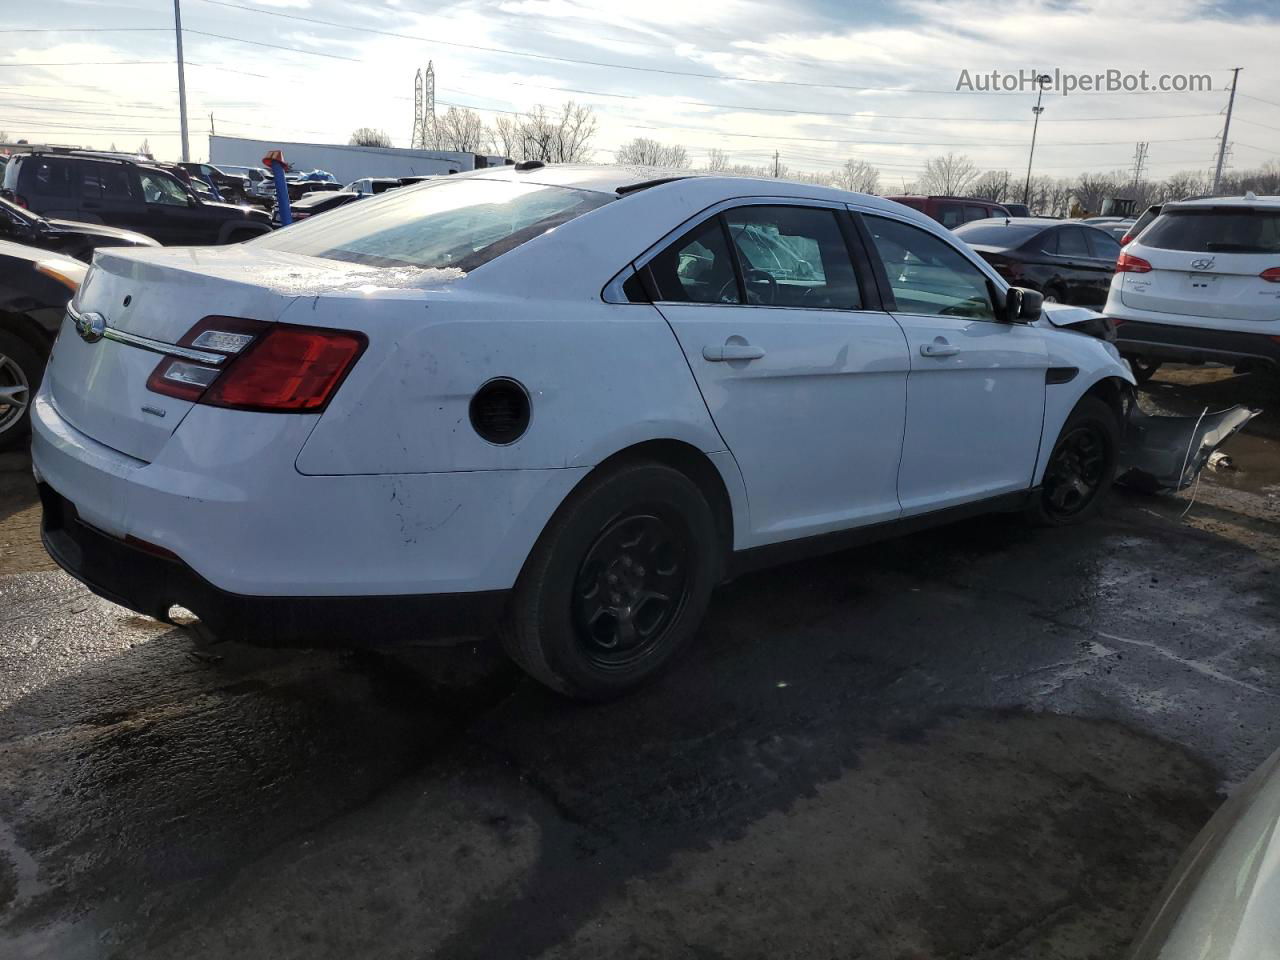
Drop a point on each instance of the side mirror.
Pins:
(1022, 305)
(191, 200)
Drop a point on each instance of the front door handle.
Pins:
(939, 348)
(731, 351)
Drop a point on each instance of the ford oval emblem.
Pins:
(1204, 263)
(91, 327)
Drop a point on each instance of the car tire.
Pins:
(21, 370)
(1081, 468)
(1143, 368)
(1054, 295)
(617, 584)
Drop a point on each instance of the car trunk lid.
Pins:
(150, 299)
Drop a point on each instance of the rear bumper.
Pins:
(150, 584)
(1187, 344)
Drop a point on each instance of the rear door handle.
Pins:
(731, 351)
(939, 348)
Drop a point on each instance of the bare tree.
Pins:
(717, 160)
(460, 130)
(144, 148)
(949, 175)
(993, 185)
(561, 137)
(369, 137)
(857, 176)
(644, 152)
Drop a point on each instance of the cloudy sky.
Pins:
(816, 80)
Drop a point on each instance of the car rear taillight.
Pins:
(1124, 241)
(1127, 263)
(249, 365)
(1271, 275)
(21, 201)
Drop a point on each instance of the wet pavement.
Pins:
(985, 741)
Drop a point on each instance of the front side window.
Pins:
(449, 223)
(161, 189)
(794, 257)
(927, 275)
(697, 268)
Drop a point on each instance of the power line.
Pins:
(273, 46)
(506, 51)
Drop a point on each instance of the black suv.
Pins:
(80, 185)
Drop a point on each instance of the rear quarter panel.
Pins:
(600, 377)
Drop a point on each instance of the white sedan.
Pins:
(563, 402)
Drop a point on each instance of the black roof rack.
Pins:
(646, 184)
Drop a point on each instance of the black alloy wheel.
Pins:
(630, 587)
(1076, 472)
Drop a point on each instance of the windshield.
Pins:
(456, 223)
(1216, 230)
(996, 234)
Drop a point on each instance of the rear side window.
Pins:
(1071, 242)
(927, 275)
(1216, 230)
(950, 214)
(697, 268)
(1103, 245)
(793, 257)
(449, 223)
(103, 181)
(972, 212)
(46, 178)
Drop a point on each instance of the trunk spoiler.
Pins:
(1168, 453)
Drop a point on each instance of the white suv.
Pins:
(563, 401)
(1202, 283)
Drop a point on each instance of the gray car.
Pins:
(1223, 900)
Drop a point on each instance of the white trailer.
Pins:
(346, 163)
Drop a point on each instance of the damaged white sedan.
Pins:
(560, 402)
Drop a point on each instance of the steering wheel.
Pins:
(752, 297)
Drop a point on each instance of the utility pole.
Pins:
(1041, 80)
(775, 164)
(182, 80)
(211, 130)
(1226, 128)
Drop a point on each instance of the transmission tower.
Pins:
(424, 106)
(415, 140)
(1139, 162)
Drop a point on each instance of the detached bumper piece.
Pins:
(150, 583)
(1168, 453)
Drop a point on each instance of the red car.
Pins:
(953, 211)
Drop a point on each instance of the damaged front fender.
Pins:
(1167, 453)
